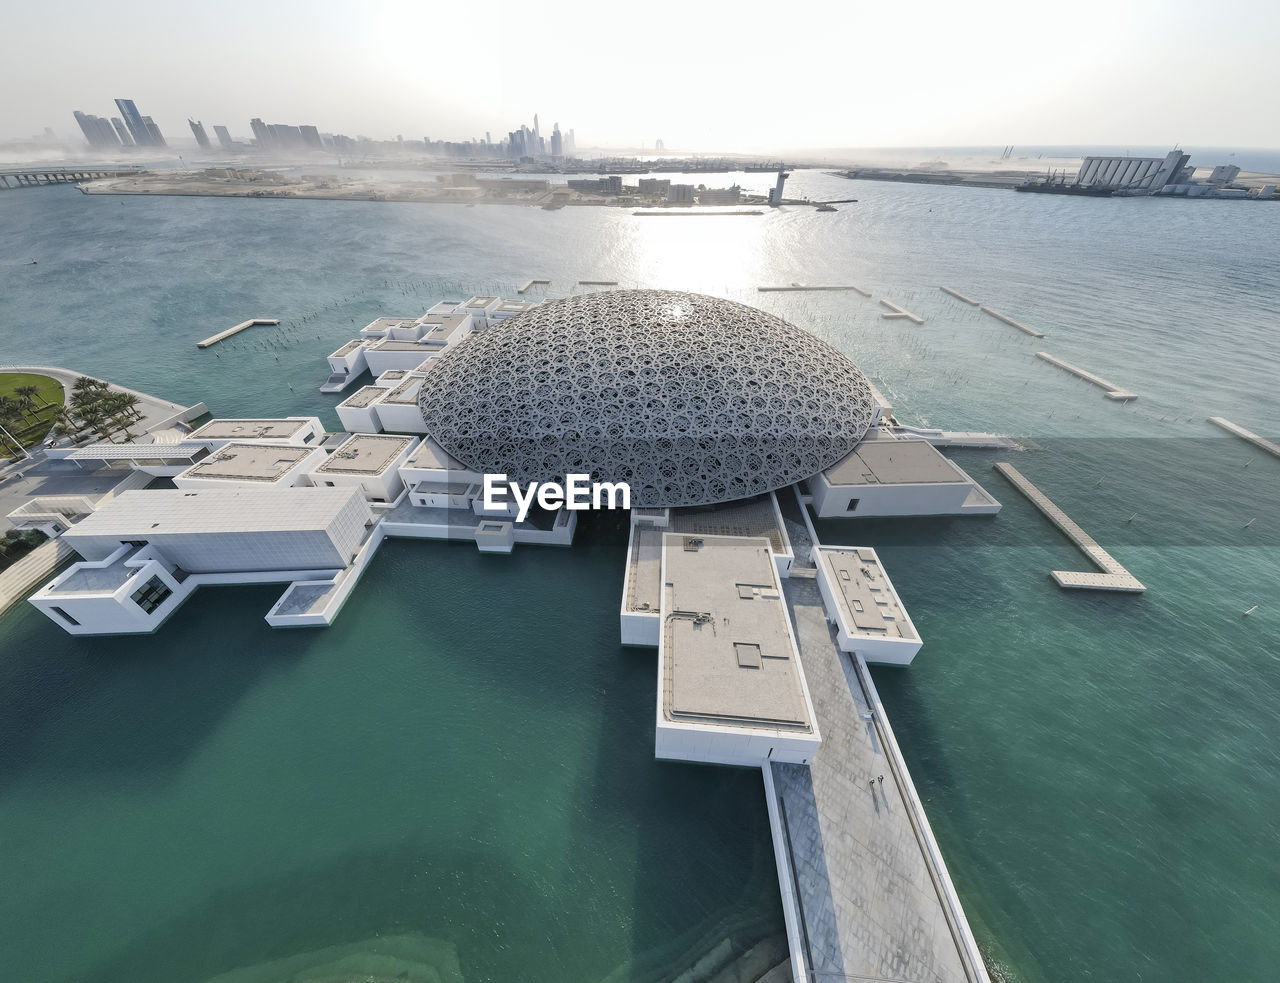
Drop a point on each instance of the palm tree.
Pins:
(32, 393)
(22, 397)
(10, 410)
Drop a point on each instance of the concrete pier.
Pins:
(31, 177)
(1259, 442)
(1110, 390)
(797, 287)
(597, 283)
(866, 893)
(530, 283)
(898, 312)
(959, 438)
(1114, 576)
(223, 335)
(1010, 321)
(959, 296)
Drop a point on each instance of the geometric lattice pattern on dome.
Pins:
(690, 399)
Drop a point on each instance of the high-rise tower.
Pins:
(143, 129)
(202, 138)
(97, 131)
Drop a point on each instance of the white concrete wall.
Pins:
(384, 487)
(438, 500)
(786, 880)
(876, 649)
(832, 501)
(380, 362)
(112, 612)
(352, 363)
(400, 417)
(359, 419)
(710, 744)
(640, 627)
(493, 536)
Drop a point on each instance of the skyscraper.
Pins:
(557, 142)
(224, 138)
(153, 132)
(202, 138)
(143, 129)
(261, 133)
(311, 138)
(122, 131)
(97, 131)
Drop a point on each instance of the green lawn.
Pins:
(31, 426)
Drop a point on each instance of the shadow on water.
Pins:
(365, 895)
(110, 686)
(955, 825)
(704, 881)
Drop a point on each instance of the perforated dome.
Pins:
(689, 399)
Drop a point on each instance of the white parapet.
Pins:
(860, 600)
(730, 689)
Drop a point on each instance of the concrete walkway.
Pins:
(1114, 576)
(869, 906)
(32, 570)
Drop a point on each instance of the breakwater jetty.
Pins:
(1010, 321)
(530, 283)
(896, 312)
(959, 296)
(31, 177)
(800, 287)
(242, 326)
(1114, 576)
(1110, 390)
(1248, 435)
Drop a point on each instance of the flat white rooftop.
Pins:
(404, 393)
(893, 462)
(431, 455)
(365, 453)
(364, 396)
(346, 349)
(727, 647)
(862, 590)
(747, 517)
(182, 450)
(249, 462)
(265, 429)
(644, 578)
(390, 345)
(137, 514)
(387, 323)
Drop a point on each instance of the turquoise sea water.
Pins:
(462, 766)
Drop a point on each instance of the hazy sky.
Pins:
(744, 76)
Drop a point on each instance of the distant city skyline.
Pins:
(808, 75)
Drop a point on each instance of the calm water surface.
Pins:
(458, 777)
